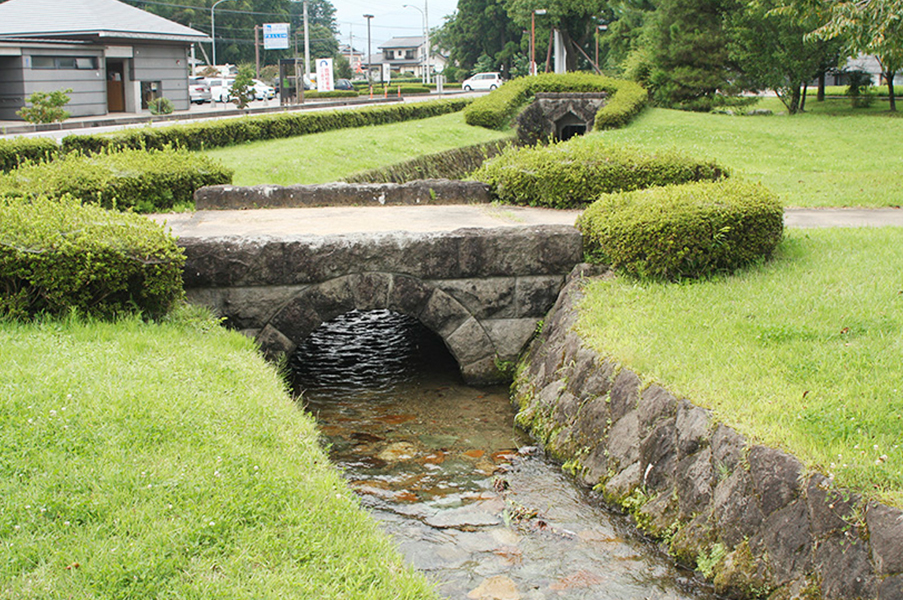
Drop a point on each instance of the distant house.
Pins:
(406, 56)
(113, 56)
(356, 60)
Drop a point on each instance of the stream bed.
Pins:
(468, 498)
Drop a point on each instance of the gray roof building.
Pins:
(114, 57)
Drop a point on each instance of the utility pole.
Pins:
(306, 43)
(369, 82)
(256, 52)
(426, 23)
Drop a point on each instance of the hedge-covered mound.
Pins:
(572, 174)
(679, 231)
(58, 254)
(146, 181)
(19, 150)
(497, 109)
(456, 163)
(226, 132)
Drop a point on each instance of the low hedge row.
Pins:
(146, 181)
(313, 95)
(683, 231)
(19, 150)
(226, 132)
(57, 255)
(497, 109)
(574, 173)
(456, 163)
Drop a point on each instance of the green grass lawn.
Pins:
(167, 461)
(329, 156)
(828, 156)
(802, 353)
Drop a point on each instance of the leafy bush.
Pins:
(457, 163)
(46, 107)
(57, 255)
(19, 150)
(310, 95)
(146, 181)
(226, 132)
(573, 173)
(497, 109)
(160, 106)
(690, 230)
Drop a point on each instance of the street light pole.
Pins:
(369, 73)
(538, 11)
(425, 76)
(213, 29)
(306, 43)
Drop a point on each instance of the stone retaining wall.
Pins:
(764, 524)
(426, 191)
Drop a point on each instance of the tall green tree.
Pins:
(772, 49)
(480, 28)
(870, 27)
(687, 46)
(576, 20)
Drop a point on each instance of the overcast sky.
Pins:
(390, 19)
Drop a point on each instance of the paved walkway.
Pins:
(347, 220)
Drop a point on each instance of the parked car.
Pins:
(198, 90)
(482, 81)
(343, 84)
(220, 89)
(263, 91)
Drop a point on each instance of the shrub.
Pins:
(20, 150)
(226, 132)
(497, 109)
(310, 95)
(457, 163)
(146, 181)
(690, 230)
(46, 107)
(160, 106)
(57, 255)
(573, 173)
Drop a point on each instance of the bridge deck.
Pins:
(340, 220)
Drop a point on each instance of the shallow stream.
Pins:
(468, 498)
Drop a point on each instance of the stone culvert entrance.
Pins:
(559, 116)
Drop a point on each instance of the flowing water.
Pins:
(466, 496)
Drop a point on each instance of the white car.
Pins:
(263, 91)
(220, 89)
(482, 81)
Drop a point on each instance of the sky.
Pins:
(390, 19)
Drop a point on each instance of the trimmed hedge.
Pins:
(497, 109)
(456, 163)
(313, 95)
(684, 231)
(19, 150)
(57, 255)
(226, 132)
(572, 174)
(146, 181)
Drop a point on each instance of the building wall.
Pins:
(167, 65)
(12, 89)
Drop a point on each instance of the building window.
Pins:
(409, 54)
(64, 62)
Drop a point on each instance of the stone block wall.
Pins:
(757, 521)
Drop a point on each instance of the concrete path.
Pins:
(342, 220)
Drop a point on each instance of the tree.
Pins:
(242, 91)
(688, 52)
(773, 50)
(870, 27)
(576, 20)
(479, 28)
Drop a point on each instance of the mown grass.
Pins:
(831, 155)
(330, 156)
(166, 461)
(802, 353)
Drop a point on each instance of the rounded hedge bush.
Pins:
(57, 255)
(572, 174)
(683, 231)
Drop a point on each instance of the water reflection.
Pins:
(466, 496)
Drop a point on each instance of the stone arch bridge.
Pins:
(483, 291)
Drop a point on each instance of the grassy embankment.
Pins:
(829, 156)
(167, 461)
(329, 156)
(803, 352)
